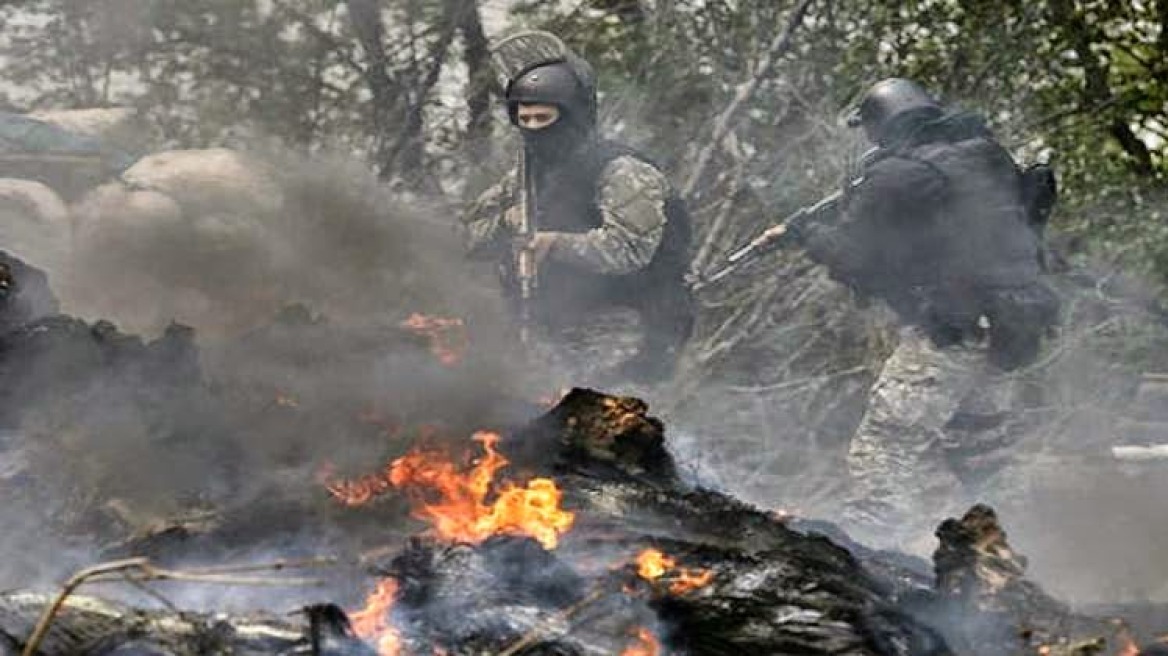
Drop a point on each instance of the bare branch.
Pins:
(745, 91)
(137, 570)
(481, 81)
(306, 21)
(365, 18)
(46, 619)
(409, 138)
(718, 226)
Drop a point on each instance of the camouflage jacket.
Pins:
(620, 239)
(630, 197)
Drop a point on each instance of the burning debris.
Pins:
(641, 565)
(646, 644)
(372, 624)
(652, 565)
(461, 512)
(447, 337)
(570, 535)
(611, 554)
(985, 605)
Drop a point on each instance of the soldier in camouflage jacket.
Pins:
(611, 239)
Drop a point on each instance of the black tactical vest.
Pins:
(987, 237)
(986, 255)
(566, 201)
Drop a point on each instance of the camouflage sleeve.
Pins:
(482, 229)
(631, 197)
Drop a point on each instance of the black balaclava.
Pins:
(556, 84)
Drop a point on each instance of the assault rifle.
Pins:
(775, 237)
(526, 275)
(511, 57)
(1039, 192)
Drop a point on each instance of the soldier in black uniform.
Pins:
(611, 232)
(939, 227)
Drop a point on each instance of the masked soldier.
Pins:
(939, 227)
(610, 231)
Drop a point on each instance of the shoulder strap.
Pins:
(911, 155)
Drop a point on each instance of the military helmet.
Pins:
(891, 99)
(536, 67)
(553, 84)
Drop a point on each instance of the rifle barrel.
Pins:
(767, 239)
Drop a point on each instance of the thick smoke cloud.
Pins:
(221, 241)
(295, 276)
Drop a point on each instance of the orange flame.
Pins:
(285, 400)
(447, 336)
(652, 564)
(1127, 646)
(687, 580)
(646, 644)
(370, 622)
(360, 491)
(456, 502)
(461, 513)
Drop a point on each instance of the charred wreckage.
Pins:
(569, 534)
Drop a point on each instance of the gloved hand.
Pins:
(540, 243)
(796, 227)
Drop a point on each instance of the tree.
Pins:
(310, 74)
